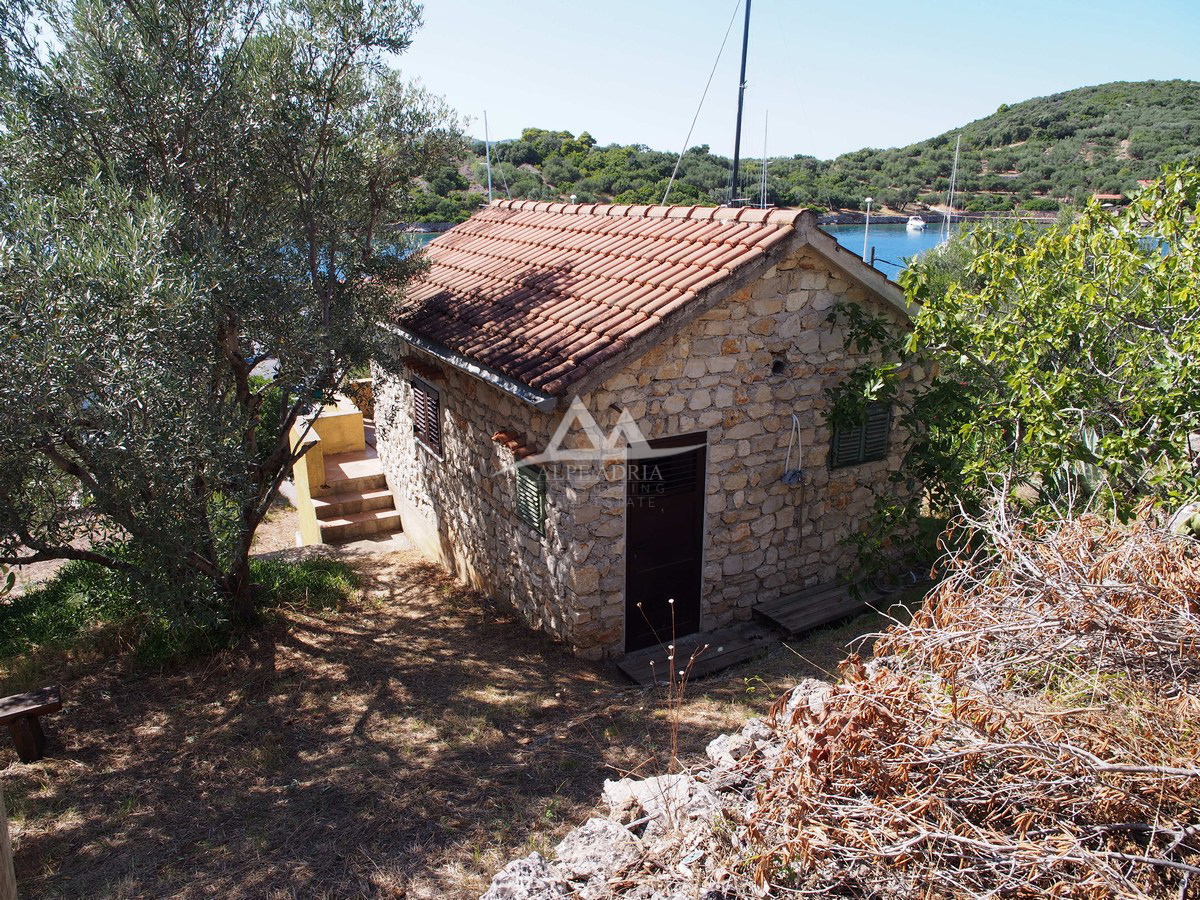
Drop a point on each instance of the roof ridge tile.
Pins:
(785, 216)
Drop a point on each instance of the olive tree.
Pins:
(192, 189)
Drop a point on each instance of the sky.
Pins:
(823, 77)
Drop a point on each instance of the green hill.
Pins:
(1039, 154)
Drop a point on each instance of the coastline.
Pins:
(931, 217)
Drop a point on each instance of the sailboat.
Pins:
(950, 193)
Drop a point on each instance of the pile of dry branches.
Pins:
(1035, 731)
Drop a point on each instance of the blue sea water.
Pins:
(894, 245)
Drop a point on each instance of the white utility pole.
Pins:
(487, 148)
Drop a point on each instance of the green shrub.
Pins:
(84, 597)
(1041, 204)
(79, 596)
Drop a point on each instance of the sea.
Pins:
(894, 245)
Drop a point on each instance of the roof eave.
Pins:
(852, 266)
(539, 400)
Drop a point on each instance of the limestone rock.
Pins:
(597, 849)
(808, 698)
(530, 878)
(671, 802)
(729, 749)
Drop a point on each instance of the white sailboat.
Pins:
(950, 194)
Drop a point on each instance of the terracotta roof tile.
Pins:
(545, 292)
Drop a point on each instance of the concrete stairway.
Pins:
(359, 504)
(340, 490)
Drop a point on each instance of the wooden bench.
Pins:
(20, 713)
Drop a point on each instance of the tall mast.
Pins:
(763, 194)
(737, 137)
(487, 148)
(950, 193)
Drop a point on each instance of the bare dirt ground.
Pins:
(278, 529)
(405, 746)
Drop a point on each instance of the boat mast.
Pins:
(737, 137)
(763, 195)
(950, 194)
(487, 148)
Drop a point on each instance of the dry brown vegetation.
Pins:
(407, 745)
(1034, 732)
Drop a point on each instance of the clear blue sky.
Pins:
(831, 76)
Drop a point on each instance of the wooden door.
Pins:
(664, 534)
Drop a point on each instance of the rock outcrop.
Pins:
(667, 837)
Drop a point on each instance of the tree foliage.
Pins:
(191, 190)
(1061, 361)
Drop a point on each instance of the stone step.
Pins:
(352, 526)
(334, 505)
(358, 463)
(358, 484)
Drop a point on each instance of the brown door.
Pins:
(664, 533)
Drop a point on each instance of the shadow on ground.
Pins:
(405, 746)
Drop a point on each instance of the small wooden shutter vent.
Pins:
(865, 442)
(875, 431)
(427, 415)
(531, 497)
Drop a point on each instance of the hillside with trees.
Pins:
(1039, 155)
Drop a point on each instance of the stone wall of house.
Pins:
(716, 376)
(762, 537)
(460, 507)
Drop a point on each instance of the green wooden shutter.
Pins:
(875, 431)
(531, 497)
(844, 449)
(865, 442)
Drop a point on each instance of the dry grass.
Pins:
(1035, 731)
(408, 745)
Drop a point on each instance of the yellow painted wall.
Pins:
(338, 429)
(308, 475)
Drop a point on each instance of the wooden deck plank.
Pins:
(811, 596)
(804, 611)
(777, 610)
(725, 649)
(839, 605)
(803, 621)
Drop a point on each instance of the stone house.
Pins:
(615, 417)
